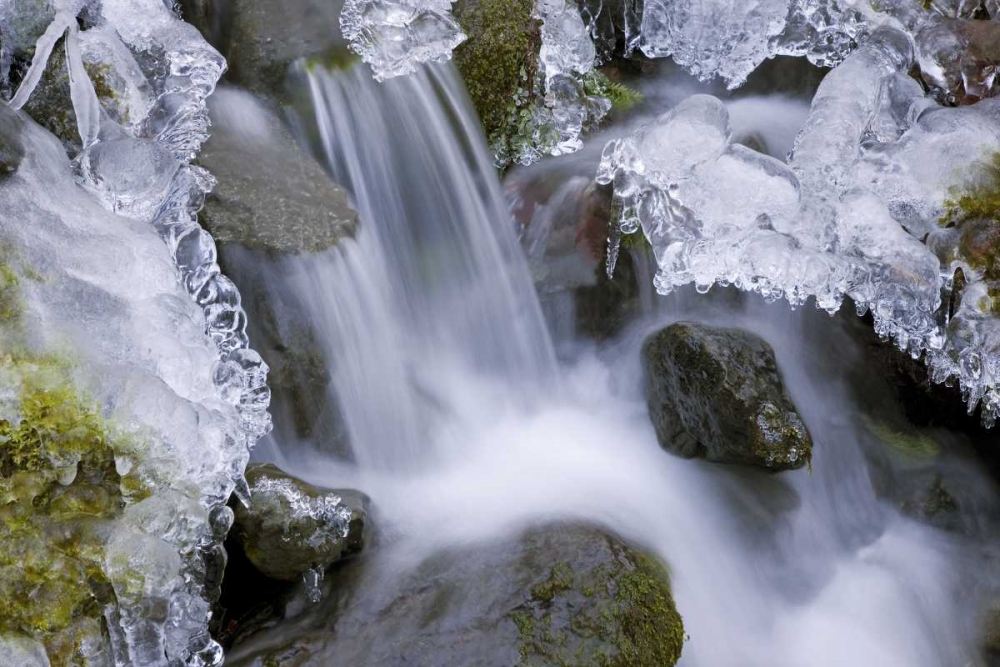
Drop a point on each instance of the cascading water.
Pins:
(434, 286)
(809, 568)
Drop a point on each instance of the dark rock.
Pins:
(716, 393)
(292, 527)
(562, 595)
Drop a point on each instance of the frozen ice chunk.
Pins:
(394, 36)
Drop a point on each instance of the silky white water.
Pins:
(464, 429)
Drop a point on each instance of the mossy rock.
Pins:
(51, 106)
(554, 596)
(11, 146)
(499, 61)
(716, 393)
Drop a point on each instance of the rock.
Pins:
(499, 59)
(272, 201)
(559, 595)
(262, 38)
(11, 146)
(270, 195)
(716, 393)
(933, 505)
(991, 635)
(292, 527)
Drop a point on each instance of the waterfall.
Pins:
(434, 291)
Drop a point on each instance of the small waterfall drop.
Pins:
(434, 290)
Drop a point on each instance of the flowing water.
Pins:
(464, 427)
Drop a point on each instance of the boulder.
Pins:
(292, 527)
(262, 38)
(559, 595)
(270, 195)
(716, 393)
(11, 146)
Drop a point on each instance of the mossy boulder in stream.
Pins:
(292, 527)
(716, 393)
(553, 596)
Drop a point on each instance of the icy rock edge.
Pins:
(853, 214)
(142, 170)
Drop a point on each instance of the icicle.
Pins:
(43, 50)
(81, 90)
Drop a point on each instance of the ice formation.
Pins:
(720, 38)
(395, 36)
(853, 214)
(156, 332)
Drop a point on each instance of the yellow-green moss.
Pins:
(618, 614)
(59, 487)
(333, 60)
(909, 444)
(649, 629)
(10, 300)
(975, 200)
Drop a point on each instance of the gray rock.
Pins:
(270, 195)
(262, 38)
(716, 393)
(561, 595)
(292, 527)
(11, 146)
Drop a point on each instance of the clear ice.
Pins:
(395, 36)
(130, 288)
(852, 214)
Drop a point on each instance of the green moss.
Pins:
(622, 98)
(909, 444)
(649, 629)
(10, 300)
(499, 63)
(560, 579)
(977, 199)
(334, 60)
(618, 614)
(58, 487)
(636, 240)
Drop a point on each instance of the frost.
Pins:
(394, 36)
(844, 218)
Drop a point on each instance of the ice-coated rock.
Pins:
(394, 36)
(292, 528)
